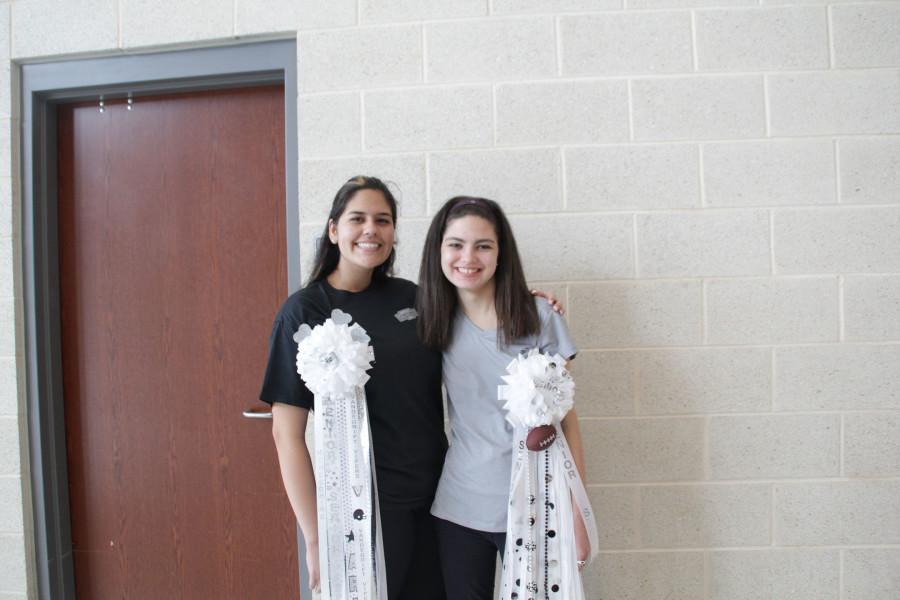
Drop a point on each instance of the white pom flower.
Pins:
(333, 357)
(538, 390)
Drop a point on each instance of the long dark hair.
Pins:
(328, 255)
(436, 300)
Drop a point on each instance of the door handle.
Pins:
(258, 413)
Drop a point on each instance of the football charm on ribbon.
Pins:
(540, 438)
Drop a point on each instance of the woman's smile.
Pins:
(369, 246)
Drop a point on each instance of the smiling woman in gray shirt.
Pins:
(474, 485)
(474, 306)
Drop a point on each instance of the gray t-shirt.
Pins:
(474, 486)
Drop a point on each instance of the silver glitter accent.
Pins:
(329, 360)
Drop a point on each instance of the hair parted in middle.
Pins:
(436, 301)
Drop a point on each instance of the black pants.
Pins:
(469, 560)
(411, 554)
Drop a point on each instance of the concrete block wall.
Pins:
(15, 526)
(712, 186)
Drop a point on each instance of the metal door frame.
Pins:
(43, 87)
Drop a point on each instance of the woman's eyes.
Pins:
(381, 221)
(482, 247)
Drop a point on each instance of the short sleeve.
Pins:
(281, 382)
(555, 336)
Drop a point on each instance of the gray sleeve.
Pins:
(554, 336)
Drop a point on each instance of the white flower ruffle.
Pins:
(333, 358)
(538, 390)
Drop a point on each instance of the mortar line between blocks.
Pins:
(428, 183)
(707, 466)
(362, 122)
(772, 379)
(701, 174)
(564, 182)
(704, 312)
(829, 30)
(634, 243)
(494, 113)
(695, 60)
(630, 111)
(424, 42)
(358, 12)
(693, 210)
(533, 16)
(234, 18)
(635, 385)
(841, 574)
(837, 172)
(842, 447)
(638, 512)
(119, 41)
(557, 29)
(771, 242)
(772, 516)
(9, 49)
(767, 106)
(707, 575)
(841, 325)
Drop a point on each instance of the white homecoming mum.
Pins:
(333, 358)
(538, 390)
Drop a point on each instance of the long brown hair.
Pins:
(436, 301)
(328, 255)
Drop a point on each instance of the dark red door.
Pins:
(172, 264)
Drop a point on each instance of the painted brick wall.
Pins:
(713, 186)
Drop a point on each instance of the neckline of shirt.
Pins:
(373, 285)
(488, 333)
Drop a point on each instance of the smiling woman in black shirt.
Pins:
(352, 272)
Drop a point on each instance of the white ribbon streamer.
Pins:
(540, 559)
(332, 359)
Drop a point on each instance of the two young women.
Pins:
(474, 306)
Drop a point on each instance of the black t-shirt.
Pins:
(403, 393)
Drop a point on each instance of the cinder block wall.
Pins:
(713, 186)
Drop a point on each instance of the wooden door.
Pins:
(172, 264)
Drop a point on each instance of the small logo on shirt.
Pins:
(406, 314)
